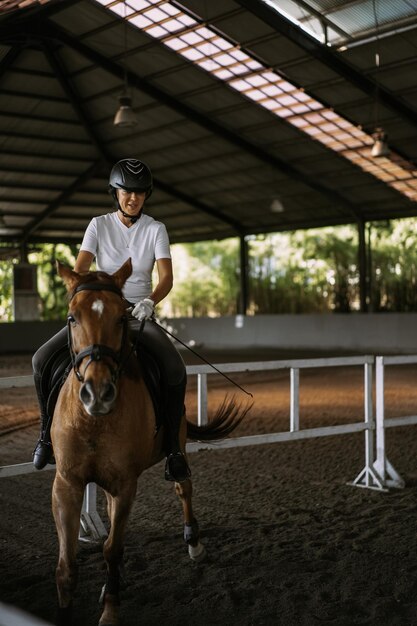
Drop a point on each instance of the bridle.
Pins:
(98, 351)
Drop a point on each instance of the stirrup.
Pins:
(176, 468)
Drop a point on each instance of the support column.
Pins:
(243, 296)
(363, 268)
(25, 288)
(24, 252)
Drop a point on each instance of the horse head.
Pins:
(97, 333)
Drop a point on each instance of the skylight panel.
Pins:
(156, 15)
(256, 94)
(157, 32)
(223, 74)
(137, 5)
(122, 9)
(141, 21)
(170, 9)
(175, 44)
(225, 60)
(193, 54)
(173, 25)
(192, 38)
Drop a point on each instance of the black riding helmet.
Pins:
(130, 175)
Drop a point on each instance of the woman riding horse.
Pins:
(111, 239)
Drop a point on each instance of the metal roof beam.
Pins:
(198, 205)
(74, 98)
(53, 206)
(51, 30)
(329, 57)
(9, 59)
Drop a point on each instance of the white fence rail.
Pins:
(378, 473)
(11, 616)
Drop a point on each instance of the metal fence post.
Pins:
(295, 399)
(202, 399)
(91, 526)
(389, 475)
(369, 476)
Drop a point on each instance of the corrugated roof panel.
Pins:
(340, 21)
(360, 18)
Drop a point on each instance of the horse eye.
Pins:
(71, 319)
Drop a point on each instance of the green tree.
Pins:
(6, 291)
(309, 271)
(394, 265)
(51, 288)
(206, 279)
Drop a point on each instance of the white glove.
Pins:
(143, 310)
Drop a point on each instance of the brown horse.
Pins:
(103, 431)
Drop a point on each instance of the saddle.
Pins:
(60, 366)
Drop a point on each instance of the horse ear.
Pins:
(69, 277)
(123, 273)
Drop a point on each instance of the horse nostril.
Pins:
(108, 393)
(87, 393)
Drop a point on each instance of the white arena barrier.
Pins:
(377, 474)
(10, 616)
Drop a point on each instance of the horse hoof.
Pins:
(197, 553)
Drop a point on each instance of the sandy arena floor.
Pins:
(289, 542)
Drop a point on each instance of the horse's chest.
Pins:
(91, 444)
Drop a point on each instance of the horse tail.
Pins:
(227, 418)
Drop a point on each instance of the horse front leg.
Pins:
(196, 549)
(118, 508)
(67, 501)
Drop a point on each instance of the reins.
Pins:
(97, 352)
(248, 393)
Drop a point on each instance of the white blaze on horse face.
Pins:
(98, 306)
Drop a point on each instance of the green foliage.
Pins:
(52, 291)
(206, 279)
(394, 266)
(304, 272)
(6, 291)
(312, 271)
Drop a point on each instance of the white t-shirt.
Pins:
(112, 243)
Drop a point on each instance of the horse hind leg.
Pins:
(196, 550)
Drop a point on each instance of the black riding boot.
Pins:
(176, 467)
(43, 452)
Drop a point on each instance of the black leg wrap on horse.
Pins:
(112, 586)
(176, 467)
(191, 533)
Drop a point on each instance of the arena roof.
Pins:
(250, 123)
